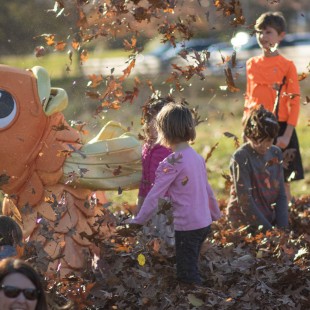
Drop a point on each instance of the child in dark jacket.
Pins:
(257, 195)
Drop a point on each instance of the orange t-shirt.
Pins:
(263, 76)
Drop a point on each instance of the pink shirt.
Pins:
(152, 155)
(182, 175)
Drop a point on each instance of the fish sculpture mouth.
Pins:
(110, 161)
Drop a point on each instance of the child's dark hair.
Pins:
(175, 124)
(10, 232)
(152, 107)
(149, 111)
(275, 20)
(261, 124)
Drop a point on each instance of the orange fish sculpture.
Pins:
(51, 180)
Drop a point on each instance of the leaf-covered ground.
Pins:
(239, 270)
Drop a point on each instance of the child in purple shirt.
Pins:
(152, 154)
(183, 177)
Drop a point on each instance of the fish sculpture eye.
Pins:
(7, 108)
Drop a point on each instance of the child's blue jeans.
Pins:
(188, 245)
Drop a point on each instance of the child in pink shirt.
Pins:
(183, 177)
(152, 154)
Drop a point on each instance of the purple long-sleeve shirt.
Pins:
(152, 155)
(183, 177)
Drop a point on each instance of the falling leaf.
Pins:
(230, 81)
(231, 135)
(184, 181)
(302, 76)
(130, 46)
(117, 171)
(272, 161)
(128, 69)
(141, 259)
(213, 148)
(175, 160)
(75, 45)
(307, 100)
(95, 80)
(50, 39)
(39, 51)
(84, 56)
(60, 46)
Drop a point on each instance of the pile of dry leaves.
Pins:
(240, 271)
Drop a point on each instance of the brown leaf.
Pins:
(307, 100)
(172, 160)
(213, 148)
(230, 81)
(95, 80)
(184, 181)
(39, 51)
(50, 39)
(60, 46)
(302, 76)
(231, 135)
(83, 56)
(75, 45)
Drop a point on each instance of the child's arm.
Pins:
(293, 93)
(241, 174)
(165, 175)
(284, 140)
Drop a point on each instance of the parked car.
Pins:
(168, 54)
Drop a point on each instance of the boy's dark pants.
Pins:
(188, 245)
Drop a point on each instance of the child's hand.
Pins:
(128, 230)
(127, 221)
(132, 225)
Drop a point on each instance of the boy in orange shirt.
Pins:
(272, 81)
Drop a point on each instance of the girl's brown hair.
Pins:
(261, 124)
(175, 124)
(149, 111)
